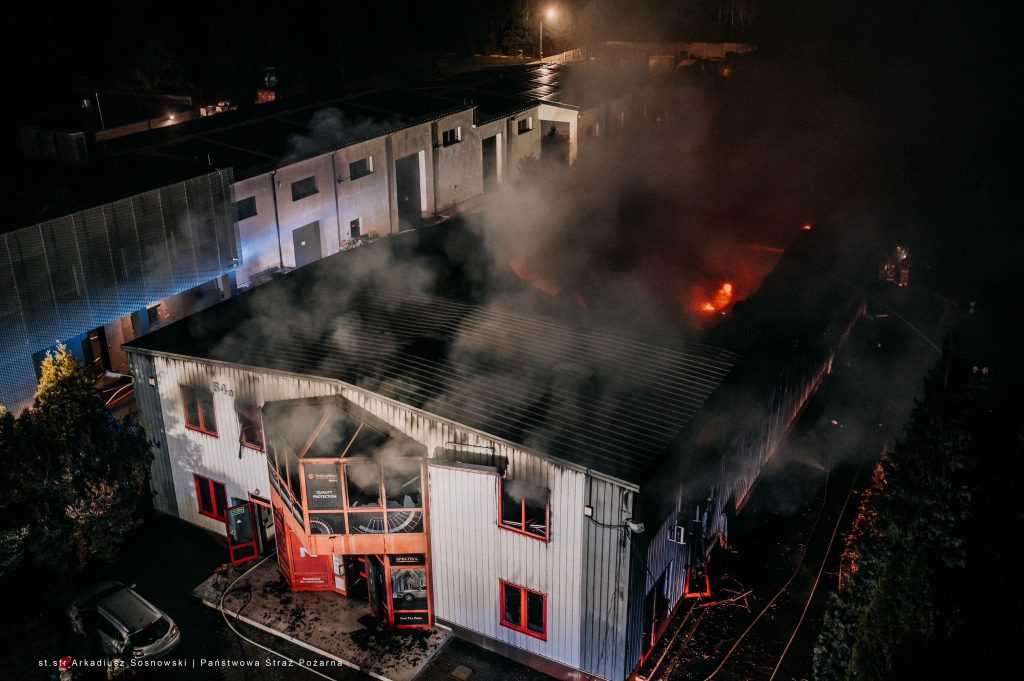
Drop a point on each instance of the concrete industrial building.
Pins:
(544, 490)
(273, 187)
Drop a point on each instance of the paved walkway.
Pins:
(329, 624)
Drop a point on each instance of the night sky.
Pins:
(929, 83)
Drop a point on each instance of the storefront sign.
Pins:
(404, 619)
(323, 490)
(408, 559)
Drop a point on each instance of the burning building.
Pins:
(541, 487)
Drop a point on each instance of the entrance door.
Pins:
(94, 351)
(264, 517)
(378, 588)
(306, 240)
(241, 533)
(490, 160)
(407, 186)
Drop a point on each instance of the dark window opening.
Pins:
(360, 168)
(402, 483)
(355, 228)
(524, 125)
(524, 508)
(246, 208)
(251, 426)
(303, 188)
(524, 610)
(450, 137)
(199, 410)
(363, 484)
(213, 499)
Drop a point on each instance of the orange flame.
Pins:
(519, 268)
(722, 299)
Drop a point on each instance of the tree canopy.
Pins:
(72, 476)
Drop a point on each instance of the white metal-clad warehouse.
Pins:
(534, 439)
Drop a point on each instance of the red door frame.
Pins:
(252, 544)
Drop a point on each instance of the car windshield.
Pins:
(150, 634)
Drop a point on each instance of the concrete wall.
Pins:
(495, 129)
(549, 112)
(522, 145)
(417, 139)
(458, 167)
(320, 207)
(259, 249)
(365, 198)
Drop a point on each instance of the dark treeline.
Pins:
(935, 594)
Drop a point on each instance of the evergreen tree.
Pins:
(73, 474)
(893, 611)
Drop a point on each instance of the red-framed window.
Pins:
(524, 610)
(199, 410)
(212, 497)
(250, 426)
(524, 508)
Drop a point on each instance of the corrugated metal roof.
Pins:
(566, 391)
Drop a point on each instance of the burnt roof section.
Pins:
(562, 390)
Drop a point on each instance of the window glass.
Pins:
(449, 137)
(206, 411)
(205, 498)
(535, 612)
(409, 588)
(240, 525)
(402, 483)
(403, 522)
(246, 208)
(363, 484)
(303, 188)
(513, 604)
(323, 487)
(360, 168)
(192, 412)
(221, 498)
(511, 508)
(366, 522)
(524, 507)
(327, 523)
(535, 516)
(251, 426)
(105, 625)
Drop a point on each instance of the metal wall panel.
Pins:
(77, 272)
(605, 572)
(147, 400)
(221, 458)
(582, 569)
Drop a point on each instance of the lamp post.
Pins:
(551, 14)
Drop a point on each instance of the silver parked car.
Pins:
(122, 622)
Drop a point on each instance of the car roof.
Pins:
(129, 609)
(89, 597)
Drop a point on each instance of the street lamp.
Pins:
(550, 13)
